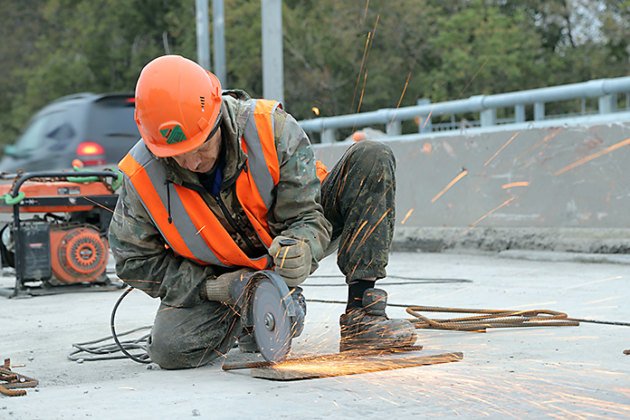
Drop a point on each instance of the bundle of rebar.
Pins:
(488, 318)
(10, 380)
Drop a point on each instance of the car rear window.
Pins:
(111, 124)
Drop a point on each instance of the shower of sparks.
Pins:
(406, 216)
(365, 76)
(506, 144)
(515, 184)
(608, 299)
(552, 135)
(402, 95)
(284, 257)
(505, 203)
(596, 155)
(378, 222)
(354, 237)
(595, 282)
(474, 76)
(366, 53)
(455, 180)
(533, 388)
(427, 119)
(98, 204)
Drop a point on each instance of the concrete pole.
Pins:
(273, 65)
(218, 37)
(203, 38)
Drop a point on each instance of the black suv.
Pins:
(97, 129)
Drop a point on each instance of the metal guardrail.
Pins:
(606, 90)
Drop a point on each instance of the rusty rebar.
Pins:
(13, 380)
(489, 318)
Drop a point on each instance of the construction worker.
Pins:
(210, 192)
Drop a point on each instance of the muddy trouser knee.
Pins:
(184, 338)
(358, 198)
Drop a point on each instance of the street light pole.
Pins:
(273, 64)
(203, 38)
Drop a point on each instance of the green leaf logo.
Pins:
(173, 135)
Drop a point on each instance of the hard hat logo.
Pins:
(173, 135)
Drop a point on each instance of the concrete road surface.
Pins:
(558, 372)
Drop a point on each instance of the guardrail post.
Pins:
(393, 128)
(519, 113)
(539, 111)
(488, 117)
(329, 135)
(607, 104)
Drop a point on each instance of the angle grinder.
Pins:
(273, 314)
(270, 311)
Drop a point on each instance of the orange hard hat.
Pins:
(178, 104)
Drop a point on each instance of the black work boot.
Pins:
(369, 328)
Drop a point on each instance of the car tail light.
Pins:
(91, 153)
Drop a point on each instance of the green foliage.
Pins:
(339, 56)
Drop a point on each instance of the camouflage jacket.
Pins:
(144, 262)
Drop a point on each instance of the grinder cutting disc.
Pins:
(271, 317)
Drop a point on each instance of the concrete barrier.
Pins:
(561, 185)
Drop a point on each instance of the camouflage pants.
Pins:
(358, 199)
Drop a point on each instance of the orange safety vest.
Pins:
(195, 232)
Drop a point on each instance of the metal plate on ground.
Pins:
(343, 364)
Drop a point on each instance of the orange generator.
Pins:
(63, 245)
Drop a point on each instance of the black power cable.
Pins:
(143, 358)
(409, 280)
(93, 351)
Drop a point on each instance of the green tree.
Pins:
(339, 56)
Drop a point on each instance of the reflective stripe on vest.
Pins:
(255, 187)
(195, 232)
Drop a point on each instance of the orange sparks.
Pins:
(369, 233)
(588, 158)
(554, 132)
(427, 119)
(366, 54)
(407, 216)
(515, 184)
(474, 76)
(402, 95)
(506, 144)
(365, 76)
(354, 237)
(455, 180)
(505, 203)
(365, 51)
(286, 250)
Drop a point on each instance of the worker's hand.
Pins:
(224, 287)
(292, 259)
